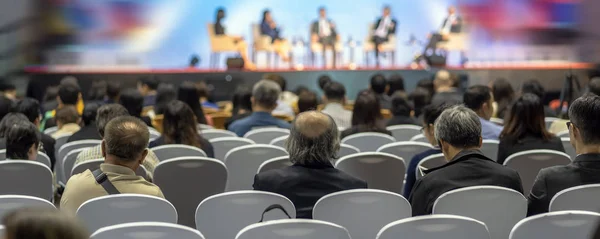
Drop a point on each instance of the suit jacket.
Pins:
(455, 28)
(314, 29)
(508, 147)
(467, 168)
(305, 184)
(585, 169)
(391, 30)
(86, 132)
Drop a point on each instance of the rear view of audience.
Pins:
(188, 94)
(366, 116)
(113, 92)
(396, 84)
(503, 96)
(29, 223)
(22, 141)
(420, 98)
(6, 123)
(31, 109)
(133, 101)
(307, 101)
(69, 95)
(89, 129)
(479, 99)
(202, 89)
(286, 99)
(67, 121)
(445, 92)
(335, 99)
(380, 87)
(401, 111)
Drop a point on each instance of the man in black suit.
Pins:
(89, 130)
(312, 144)
(453, 23)
(323, 31)
(585, 168)
(458, 133)
(31, 109)
(384, 27)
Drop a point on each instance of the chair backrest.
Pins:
(225, 214)
(569, 149)
(124, 208)
(171, 151)
(405, 150)
(294, 229)
(243, 162)
(362, 211)
(67, 148)
(428, 162)
(2, 154)
(435, 226)
(563, 134)
(368, 142)
(91, 165)
(60, 141)
(204, 127)
(222, 146)
(497, 121)
(41, 157)
(154, 134)
(557, 225)
(419, 138)
(549, 121)
(255, 31)
(584, 198)
(489, 148)
(346, 150)
(67, 165)
(279, 141)
(404, 132)
(50, 130)
(209, 134)
(499, 208)
(9, 203)
(266, 135)
(275, 163)
(529, 163)
(154, 230)
(380, 170)
(25, 177)
(187, 181)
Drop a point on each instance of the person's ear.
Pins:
(32, 152)
(144, 154)
(103, 147)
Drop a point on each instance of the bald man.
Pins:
(445, 90)
(313, 144)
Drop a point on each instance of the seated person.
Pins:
(458, 131)
(69, 94)
(445, 89)
(238, 41)
(323, 31)
(312, 145)
(242, 105)
(179, 127)
(67, 120)
(22, 141)
(133, 101)
(89, 129)
(164, 95)
(335, 99)
(124, 149)
(202, 90)
(307, 101)
(6, 123)
(366, 115)
(379, 86)
(188, 94)
(383, 28)
(269, 27)
(31, 109)
(479, 99)
(536, 88)
(147, 86)
(402, 112)
(287, 100)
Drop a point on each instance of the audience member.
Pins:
(147, 87)
(479, 99)
(402, 111)
(300, 89)
(312, 145)
(8, 90)
(50, 103)
(395, 83)
(179, 127)
(164, 95)
(38, 223)
(7, 122)
(534, 87)
(104, 115)
(379, 86)
(31, 109)
(202, 89)
(594, 86)
(69, 94)
(286, 99)
(264, 100)
(503, 97)
(188, 94)
(67, 121)
(5, 106)
(133, 101)
(525, 129)
(458, 131)
(89, 129)
(420, 98)
(335, 99)
(323, 80)
(584, 169)
(366, 116)
(445, 92)
(427, 84)
(22, 141)
(97, 92)
(124, 149)
(113, 92)
(307, 101)
(242, 105)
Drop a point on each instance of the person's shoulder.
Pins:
(80, 180)
(47, 139)
(351, 179)
(283, 124)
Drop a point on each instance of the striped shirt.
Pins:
(342, 117)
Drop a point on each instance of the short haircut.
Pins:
(202, 89)
(5, 106)
(443, 77)
(458, 126)
(420, 98)
(378, 84)
(432, 112)
(322, 9)
(323, 81)
(149, 81)
(133, 101)
(9, 120)
(266, 93)
(29, 107)
(335, 91)
(307, 101)
(19, 139)
(476, 96)
(400, 105)
(313, 139)
(113, 89)
(584, 113)
(106, 113)
(89, 113)
(534, 87)
(67, 115)
(594, 86)
(69, 93)
(396, 83)
(51, 223)
(277, 78)
(126, 138)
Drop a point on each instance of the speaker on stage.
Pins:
(235, 63)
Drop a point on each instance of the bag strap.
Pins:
(270, 208)
(102, 179)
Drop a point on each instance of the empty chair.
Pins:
(549, 121)
(362, 211)
(243, 162)
(171, 151)
(380, 170)
(435, 226)
(275, 163)
(222, 146)
(499, 208)
(51, 130)
(557, 225)
(404, 132)
(405, 150)
(584, 198)
(489, 148)
(419, 138)
(294, 228)
(186, 181)
(368, 142)
(528, 164)
(154, 230)
(279, 141)
(124, 208)
(225, 214)
(569, 149)
(9, 203)
(346, 150)
(23, 177)
(209, 134)
(266, 135)
(429, 162)
(67, 165)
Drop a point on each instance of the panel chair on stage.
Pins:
(388, 47)
(317, 48)
(264, 43)
(219, 44)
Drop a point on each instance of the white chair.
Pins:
(171, 151)
(41, 157)
(50, 130)
(204, 177)
(489, 148)
(563, 134)
(435, 226)
(499, 208)
(60, 151)
(569, 149)
(209, 134)
(380, 170)
(66, 149)
(294, 229)
(362, 211)
(154, 134)
(266, 135)
(405, 150)
(419, 138)
(222, 146)
(2, 231)
(275, 163)
(243, 162)
(557, 225)
(404, 132)
(2, 154)
(279, 141)
(9, 203)
(154, 230)
(225, 214)
(368, 142)
(346, 150)
(387, 47)
(430, 162)
(549, 121)
(67, 165)
(529, 163)
(497, 121)
(204, 127)
(23, 177)
(91, 165)
(584, 198)
(124, 208)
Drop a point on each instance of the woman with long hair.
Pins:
(179, 127)
(268, 27)
(238, 41)
(503, 97)
(164, 95)
(525, 129)
(189, 94)
(366, 116)
(242, 105)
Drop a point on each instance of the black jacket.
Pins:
(450, 97)
(509, 147)
(205, 145)
(305, 184)
(585, 169)
(468, 168)
(391, 30)
(86, 132)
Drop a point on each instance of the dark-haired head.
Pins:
(479, 99)
(525, 118)
(378, 84)
(594, 86)
(189, 94)
(534, 87)
(133, 101)
(335, 92)
(242, 100)
(396, 83)
(68, 94)
(9, 120)
(179, 125)
(585, 118)
(420, 98)
(367, 111)
(300, 89)
(106, 113)
(307, 101)
(22, 141)
(147, 85)
(426, 84)
(113, 91)
(164, 95)
(430, 115)
(277, 78)
(125, 142)
(220, 14)
(323, 80)
(42, 223)
(89, 113)
(5, 106)
(265, 15)
(503, 94)
(30, 108)
(400, 105)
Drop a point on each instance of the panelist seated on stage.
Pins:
(383, 28)
(238, 41)
(451, 33)
(269, 27)
(323, 31)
